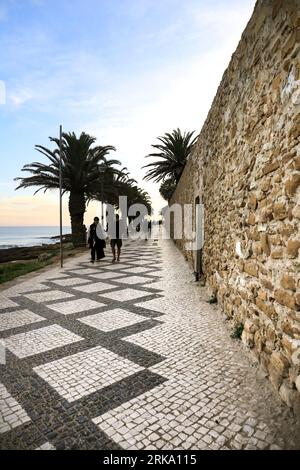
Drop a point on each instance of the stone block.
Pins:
(252, 201)
(277, 254)
(292, 184)
(251, 218)
(267, 283)
(284, 298)
(292, 248)
(286, 230)
(288, 282)
(265, 243)
(270, 167)
(297, 383)
(265, 184)
(248, 339)
(250, 326)
(251, 268)
(296, 211)
(266, 215)
(286, 394)
(280, 211)
(266, 307)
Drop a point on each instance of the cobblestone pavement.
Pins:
(129, 356)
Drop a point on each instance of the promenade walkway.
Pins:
(129, 356)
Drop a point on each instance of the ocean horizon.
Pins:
(25, 236)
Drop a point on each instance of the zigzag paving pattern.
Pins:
(129, 356)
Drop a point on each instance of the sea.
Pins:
(12, 237)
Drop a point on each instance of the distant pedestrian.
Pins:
(118, 233)
(96, 240)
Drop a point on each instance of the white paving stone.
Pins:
(81, 374)
(157, 304)
(114, 266)
(137, 270)
(73, 281)
(107, 275)
(18, 318)
(6, 303)
(40, 340)
(125, 294)
(135, 280)
(11, 413)
(84, 271)
(53, 275)
(26, 286)
(46, 446)
(48, 296)
(112, 319)
(141, 261)
(94, 287)
(75, 306)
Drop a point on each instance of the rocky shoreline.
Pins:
(31, 252)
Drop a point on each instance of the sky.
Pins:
(124, 71)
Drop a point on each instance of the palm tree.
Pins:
(136, 195)
(167, 188)
(80, 171)
(172, 152)
(115, 184)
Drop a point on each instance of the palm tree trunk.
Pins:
(77, 210)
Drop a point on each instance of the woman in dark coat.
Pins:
(96, 240)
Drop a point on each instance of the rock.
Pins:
(265, 184)
(296, 211)
(292, 184)
(252, 202)
(283, 298)
(265, 243)
(288, 282)
(270, 167)
(277, 254)
(251, 218)
(297, 163)
(248, 339)
(266, 307)
(280, 211)
(251, 268)
(286, 394)
(297, 383)
(267, 283)
(286, 230)
(293, 248)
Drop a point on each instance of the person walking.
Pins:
(96, 240)
(118, 235)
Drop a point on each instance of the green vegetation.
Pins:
(172, 151)
(167, 188)
(237, 331)
(87, 174)
(12, 270)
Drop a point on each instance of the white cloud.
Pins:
(130, 108)
(21, 96)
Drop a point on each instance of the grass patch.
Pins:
(237, 331)
(13, 270)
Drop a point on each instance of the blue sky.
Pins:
(125, 71)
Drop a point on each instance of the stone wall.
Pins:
(246, 169)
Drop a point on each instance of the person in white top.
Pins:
(96, 240)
